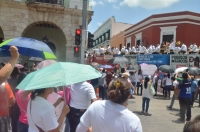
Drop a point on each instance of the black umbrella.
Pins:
(166, 69)
(193, 70)
(118, 60)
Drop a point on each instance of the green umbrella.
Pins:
(59, 74)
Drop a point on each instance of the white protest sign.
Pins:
(148, 69)
(52, 98)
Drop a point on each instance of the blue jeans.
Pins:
(134, 84)
(167, 90)
(67, 126)
(145, 101)
(172, 101)
(102, 92)
(21, 127)
(131, 91)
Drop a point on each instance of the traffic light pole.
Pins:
(84, 33)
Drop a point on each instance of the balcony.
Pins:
(46, 4)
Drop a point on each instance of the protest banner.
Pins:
(193, 60)
(155, 59)
(131, 58)
(177, 61)
(108, 57)
(148, 69)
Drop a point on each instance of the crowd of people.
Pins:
(172, 47)
(30, 111)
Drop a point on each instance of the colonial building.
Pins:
(180, 26)
(118, 40)
(52, 21)
(106, 31)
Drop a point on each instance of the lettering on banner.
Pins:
(179, 59)
(108, 57)
(99, 58)
(131, 58)
(150, 58)
(193, 60)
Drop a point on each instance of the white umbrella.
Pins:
(180, 69)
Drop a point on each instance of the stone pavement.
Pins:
(161, 119)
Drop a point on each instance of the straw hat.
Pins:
(125, 74)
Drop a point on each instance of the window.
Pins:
(138, 38)
(99, 40)
(128, 45)
(167, 38)
(106, 36)
(102, 38)
(167, 33)
(128, 42)
(120, 47)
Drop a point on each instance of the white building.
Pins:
(106, 31)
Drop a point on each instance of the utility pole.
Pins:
(84, 33)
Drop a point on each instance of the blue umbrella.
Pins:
(29, 47)
(105, 66)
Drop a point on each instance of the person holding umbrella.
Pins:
(41, 113)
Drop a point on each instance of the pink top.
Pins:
(22, 103)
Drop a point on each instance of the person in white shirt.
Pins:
(172, 46)
(126, 51)
(123, 50)
(108, 50)
(167, 85)
(111, 115)
(41, 113)
(82, 94)
(156, 49)
(190, 48)
(194, 49)
(133, 50)
(183, 49)
(115, 51)
(142, 50)
(150, 50)
(139, 82)
(101, 50)
(177, 49)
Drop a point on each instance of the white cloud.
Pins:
(92, 3)
(111, 1)
(99, 24)
(116, 7)
(149, 4)
(101, 3)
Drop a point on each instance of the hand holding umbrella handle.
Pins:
(14, 52)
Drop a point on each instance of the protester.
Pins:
(132, 88)
(102, 88)
(146, 94)
(82, 94)
(103, 116)
(194, 88)
(167, 85)
(175, 83)
(139, 82)
(7, 98)
(41, 113)
(22, 98)
(184, 94)
(14, 110)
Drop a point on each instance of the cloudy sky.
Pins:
(133, 11)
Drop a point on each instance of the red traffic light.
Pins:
(78, 31)
(76, 49)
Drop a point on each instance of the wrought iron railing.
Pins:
(59, 2)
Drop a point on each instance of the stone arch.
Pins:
(55, 35)
(1, 35)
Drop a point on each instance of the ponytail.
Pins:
(168, 75)
(36, 92)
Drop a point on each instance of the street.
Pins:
(161, 119)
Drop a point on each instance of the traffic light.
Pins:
(76, 51)
(78, 37)
(90, 40)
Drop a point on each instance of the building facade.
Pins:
(180, 26)
(118, 40)
(110, 28)
(55, 21)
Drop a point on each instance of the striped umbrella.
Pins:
(29, 47)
